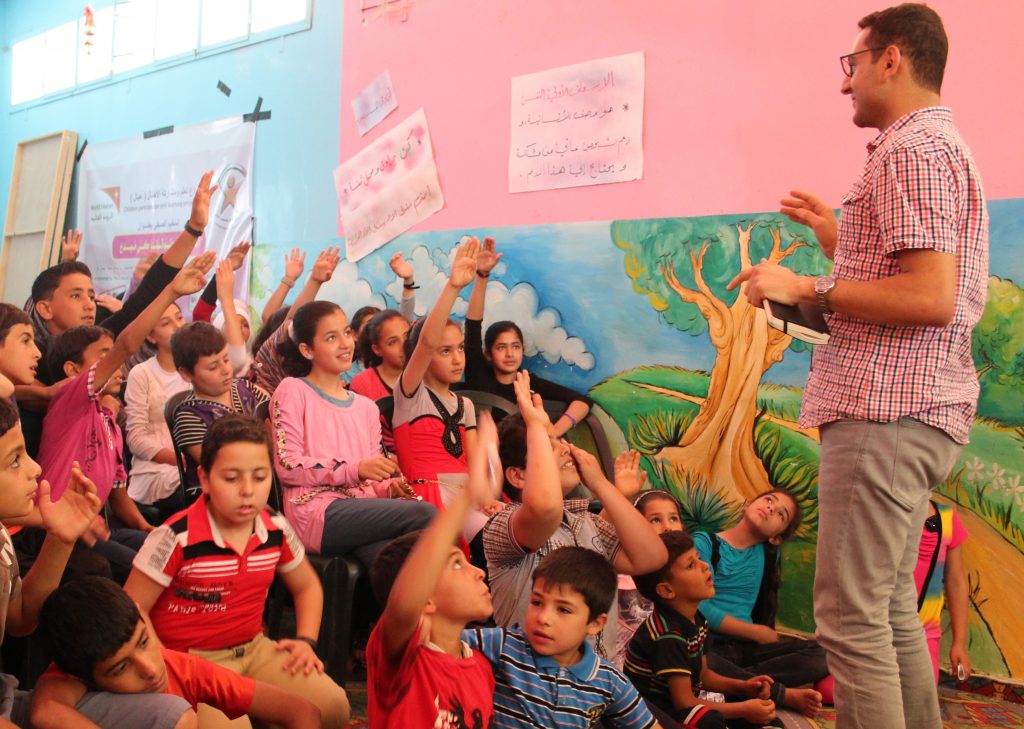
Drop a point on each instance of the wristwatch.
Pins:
(823, 286)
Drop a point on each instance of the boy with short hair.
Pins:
(64, 520)
(101, 660)
(666, 658)
(200, 353)
(546, 672)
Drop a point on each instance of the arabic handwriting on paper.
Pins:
(388, 187)
(578, 125)
(371, 105)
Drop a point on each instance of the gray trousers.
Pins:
(874, 484)
(365, 526)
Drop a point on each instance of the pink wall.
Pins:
(742, 98)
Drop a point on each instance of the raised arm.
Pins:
(485, 263)
(541, 512)
(403, 269)
(323, 269)
(463, 270)
(181, 249)
(294, 263)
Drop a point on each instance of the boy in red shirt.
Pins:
(121, 654)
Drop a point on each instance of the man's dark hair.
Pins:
(198, 339)
(8, 416)
(512, 450)
(232, 428)
(677, 544)
(70, 345)
(389, 563)
(585, 571)
(11, 316)
(49, 280)
(86, 621)
(917, 31)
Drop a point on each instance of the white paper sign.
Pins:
(578, 125)
(373, 103)
(388, 187)
(134, 196)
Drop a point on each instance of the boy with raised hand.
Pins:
(64, 521)
(420, 672)
(113, 672)
(540, 520)
(666, 658)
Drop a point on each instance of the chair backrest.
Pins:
(179, 454)
(490, 401)
(276, 499)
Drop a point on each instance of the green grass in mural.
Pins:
(796, 609)
(702, 508)
(791, 460)
(649, 434)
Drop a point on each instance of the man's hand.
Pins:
(192, 277)
(201, 202)
(629, 477)
(488, 257)
(302, 657)
(70, 245)
(401, 267)
(775, 283)
(237, 254)
(806, 209)
(71, 516)
(325, 264)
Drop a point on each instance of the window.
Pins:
(134, 35)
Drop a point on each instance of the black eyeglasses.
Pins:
(848, 68)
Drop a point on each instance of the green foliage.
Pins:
(788, 468)
(702, 507)
(998, 348)
(998, 511)
(649, 434)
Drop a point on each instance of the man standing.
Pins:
(894, 391)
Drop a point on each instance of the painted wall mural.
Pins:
(635, 313)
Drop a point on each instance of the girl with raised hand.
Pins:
(341, 493)
(492, 363)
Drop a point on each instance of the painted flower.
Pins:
(973, 469)
(997, 476)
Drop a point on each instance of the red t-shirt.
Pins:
(213, 596)
(427, 688)
(368, 383)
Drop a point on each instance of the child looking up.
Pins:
(745, 562)
(338, 484)
(940, 568)
(203, 577)
(113, 672)
(420, 672)
(19, 354)
(666, 660)
(491, 364)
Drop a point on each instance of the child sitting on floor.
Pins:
(203, 577)
(112, 670)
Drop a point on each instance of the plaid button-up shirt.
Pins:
(919, 189)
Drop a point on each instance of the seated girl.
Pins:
(338, 484)
(381, 349)
(491, 364)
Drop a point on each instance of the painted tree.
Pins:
(998, 349)
(682, 265)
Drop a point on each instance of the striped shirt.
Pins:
(213, 596)
(535, 691)
(919, 189)
(666, 645)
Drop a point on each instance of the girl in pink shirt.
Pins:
(337, 481)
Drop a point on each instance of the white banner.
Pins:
(135, 196)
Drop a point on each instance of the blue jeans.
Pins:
(874, 484)
(366, 526)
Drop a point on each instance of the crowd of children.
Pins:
(505, 601)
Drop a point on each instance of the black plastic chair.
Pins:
(179, 453)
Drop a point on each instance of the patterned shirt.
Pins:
(535, 691)
(666, 645)
(920, 189)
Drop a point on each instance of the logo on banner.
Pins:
(230, 184)
(114, 193)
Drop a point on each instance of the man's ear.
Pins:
(894, 59)
(665, 591)
(596, 625)
(45, 310)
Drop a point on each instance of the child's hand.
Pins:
(108, 302)
(237, 254)
(629, 477)
(294, 264)
(302, 657)
(70, 245)
(75, 512)
(758, 711)
(530, 403)
(145, 263)
(588, 466)
(759, 687)
(325, 264)
(464, 265)
(401, 267)
(192, 277)
(492, 508)
(225, 278)
(377, 468)
(201, 202)
(958, 656)
(763, 634)
(484, 481)
(488, 257)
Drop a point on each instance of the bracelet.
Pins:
(192, 231)
(410, 287)
(287, 282)
(310, 642)
(571, 418)
(483, 275)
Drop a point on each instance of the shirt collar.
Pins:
(585, 669)
(939, 113)
(202, 527)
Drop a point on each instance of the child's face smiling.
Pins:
(558, 621)
(238, 483)
(136, 668)
(333, 344)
